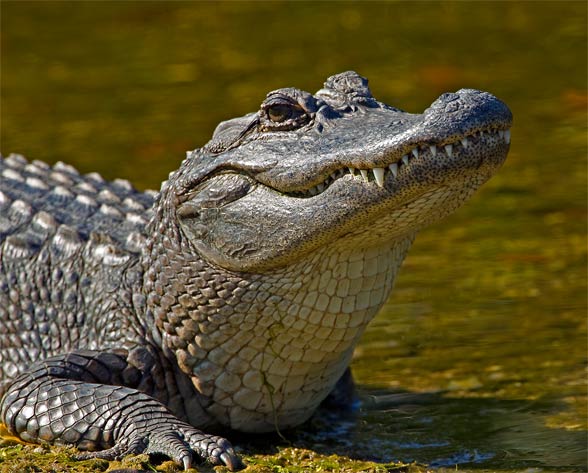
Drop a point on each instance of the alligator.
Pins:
(233, 298)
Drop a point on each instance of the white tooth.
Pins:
(433, 149)
(320, 187)
(394, 168)
(449, 150)
(405, 159)
(334, 176)
(352, 171)
(364, 174)
(415, 152)
(464, 142)
(379, 175)
(501, 133)
(507, 137)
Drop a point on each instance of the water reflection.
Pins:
(438, 430)
(442, 431)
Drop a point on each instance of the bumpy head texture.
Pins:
(275, 244)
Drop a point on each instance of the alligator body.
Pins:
(234, 297)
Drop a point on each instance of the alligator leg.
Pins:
(83, 399)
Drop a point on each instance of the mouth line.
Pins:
(378, 175)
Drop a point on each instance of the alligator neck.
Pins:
(266, 349)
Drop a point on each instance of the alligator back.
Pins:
(67, 242)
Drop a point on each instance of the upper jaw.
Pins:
(384, 172)
(374, 143)
(381, 147)
(387, 176)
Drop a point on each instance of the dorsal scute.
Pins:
(38, 202)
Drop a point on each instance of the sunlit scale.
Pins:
(380, 174)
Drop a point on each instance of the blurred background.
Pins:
(479, 357)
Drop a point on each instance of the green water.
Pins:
(479, 357)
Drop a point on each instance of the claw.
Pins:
(231, 459)
(187, 462)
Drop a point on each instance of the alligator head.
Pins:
(274, 245)
(307, 170)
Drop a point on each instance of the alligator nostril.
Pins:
(452, 107)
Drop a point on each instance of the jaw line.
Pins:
(382, 175)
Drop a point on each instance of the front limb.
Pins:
(83, 399)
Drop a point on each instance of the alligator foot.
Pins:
(182, 443)
(102, 414)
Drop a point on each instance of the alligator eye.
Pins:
(279, 112)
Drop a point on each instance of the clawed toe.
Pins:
(187, 462)
(183, 445)
(232, 460)
(117, 452)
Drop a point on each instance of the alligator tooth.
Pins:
(352, 171)
(433, 149)
(379, 175)
(394, 168)
(364, 174)
(501, 133)
(507, 137)
(415, 152)
(449, 150)
(320, 187)
(334, 176)
(405, 159)
(464, 142)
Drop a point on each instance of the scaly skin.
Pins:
(234, 298)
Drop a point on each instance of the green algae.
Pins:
(20, 458)
(296, 460)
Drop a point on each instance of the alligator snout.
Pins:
(468, 111)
